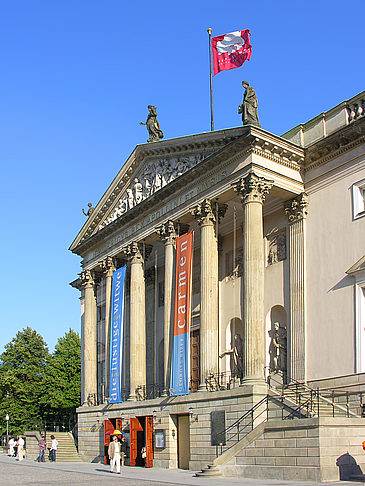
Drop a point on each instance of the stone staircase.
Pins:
(66, 449)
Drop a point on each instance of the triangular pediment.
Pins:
(149, 168)
(358, 267)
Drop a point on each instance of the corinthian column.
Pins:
(89, 340)
(137, 321)
(206, 213)
(168, 235)
(296, 211)
(253, 190)
(108, 269)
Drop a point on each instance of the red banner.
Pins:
(180, 371)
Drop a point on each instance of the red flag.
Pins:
(231, 50)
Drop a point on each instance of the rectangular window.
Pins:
(360, 326)
(358, 199)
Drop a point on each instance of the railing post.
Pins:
(238, 432)
(333, 403)
(347, 404)
(318, 402)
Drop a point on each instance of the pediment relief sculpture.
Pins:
(156, 175)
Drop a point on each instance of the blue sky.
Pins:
(76, 79)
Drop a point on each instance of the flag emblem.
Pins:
(231, 50)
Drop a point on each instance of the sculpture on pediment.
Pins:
(248, 108)
(153, 125)
(89, 211)
(138, 191)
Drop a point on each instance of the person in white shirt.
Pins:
(11, 445)
(20, 452)
(54, 445)
(114, 450)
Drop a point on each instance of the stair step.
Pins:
(210, 471)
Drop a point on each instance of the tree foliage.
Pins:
(37, 387)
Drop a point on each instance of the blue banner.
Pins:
(116, 336)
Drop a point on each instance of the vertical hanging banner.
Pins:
(116, 335)
(180, 369)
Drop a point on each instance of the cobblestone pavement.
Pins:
(80, 474)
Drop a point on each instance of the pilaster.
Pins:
(296, 211)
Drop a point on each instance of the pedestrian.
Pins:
(114, 451)
(42, 449)
(123, 448)
(11, 445)
(20, 451)
(54, 445)
(144, 455)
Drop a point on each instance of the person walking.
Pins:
(114, 451)
(42, 449)
(20, 452)
(54, 445)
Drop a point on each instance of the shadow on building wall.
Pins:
(348, 467)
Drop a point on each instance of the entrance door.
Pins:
(141, 435)
(194, 360)
(183, 441)
(149, 441)
(108, 428)
(135, 427)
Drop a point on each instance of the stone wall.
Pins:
(313, 449)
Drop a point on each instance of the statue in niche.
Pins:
(278, 348)
(153, 125)
(89, 211)
(248, 108)
(236, 354)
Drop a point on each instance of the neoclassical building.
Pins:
(277, 300)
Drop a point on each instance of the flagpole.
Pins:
(211, 80)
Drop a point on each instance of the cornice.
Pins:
(336, 144)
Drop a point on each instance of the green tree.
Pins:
(62, 384)
(22, 371)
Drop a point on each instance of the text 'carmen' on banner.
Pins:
(116, 338)
(180, 369)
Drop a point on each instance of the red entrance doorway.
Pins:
(141, 430)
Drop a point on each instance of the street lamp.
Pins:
(7, 428)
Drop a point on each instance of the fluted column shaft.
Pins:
(209, 323)
(296, 212)
(137, 321)
(108, 268)
(89, 340)
(167, 233)
(253, 190)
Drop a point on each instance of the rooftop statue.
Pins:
(89, 211)
(153, 126)
(248, 108)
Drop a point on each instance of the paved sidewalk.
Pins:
(82, 474)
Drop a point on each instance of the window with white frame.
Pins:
(358, 199)
(357, 271)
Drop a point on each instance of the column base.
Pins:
(253, 380)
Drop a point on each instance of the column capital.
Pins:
(207, 212)
(167, 232)
(87, 278)
(296, 208)
(108, 266)
(253, 188)
(137, 252)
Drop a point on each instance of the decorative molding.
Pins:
(108, 265)
(296, 209)
(253, 188)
